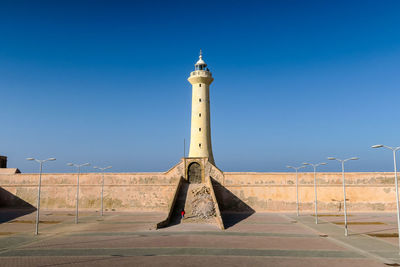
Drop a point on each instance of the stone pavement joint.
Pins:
(262, 239)
(358, 243)
(180, 251)
(215, 233)
(14, 241)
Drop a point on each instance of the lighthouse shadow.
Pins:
(233, 209)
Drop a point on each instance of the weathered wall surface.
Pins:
(370, 191)
(234, 191)
(122, 191)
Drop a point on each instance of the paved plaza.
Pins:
(260, 239)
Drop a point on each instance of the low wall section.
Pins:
(369, 191)
(235, 191)
(122, 191)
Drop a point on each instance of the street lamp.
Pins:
(297, 185)
(102, 184)
(394, 149)
(344, 190)
(315, 186)
(77, 186)
(39, 187)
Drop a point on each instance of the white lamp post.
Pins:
(297, 185)
(315, 186)
(344, 190)
(77, 186)
(102, 184)
(39, 187)
(394, 149)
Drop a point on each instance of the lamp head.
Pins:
(305, 163)
(331, 158)
(51, 159)
(323, 163)
(109, 167)
(289, 167)
(86, 164)
(70, 164)
(377, 146)
(30, 159)
(354, 158)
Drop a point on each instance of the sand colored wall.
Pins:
(122, 191)
(277, 191)
(234, 191)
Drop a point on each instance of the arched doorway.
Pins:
(194, 173)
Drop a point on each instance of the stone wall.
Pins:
(122, 191)
(369, 191)
(235, 191)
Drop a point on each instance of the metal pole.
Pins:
(297, 191)
(397, 193)
(77, 196)
(315, 192)
(184, 147)
(102, 190)
(344, 201)
(38, 200)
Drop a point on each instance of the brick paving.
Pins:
(262, 239)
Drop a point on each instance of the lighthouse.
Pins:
(200, 136)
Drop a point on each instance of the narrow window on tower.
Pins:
(199, 129)
(200, 145)
(199, 114)
(199, 84)
(199, 99)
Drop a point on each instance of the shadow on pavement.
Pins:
(12, 207)
(179, 204)
(374, 231)
(8, 214)
(232, 218)
(233, 209)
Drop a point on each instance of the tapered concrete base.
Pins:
(185, 193)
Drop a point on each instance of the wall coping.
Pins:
(280, 173)
(7, 171)
(90, 173)
(12, 171)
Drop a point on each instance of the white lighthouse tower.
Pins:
(200, 136)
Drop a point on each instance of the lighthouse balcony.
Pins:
(202, 73)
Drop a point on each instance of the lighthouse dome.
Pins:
(200, 64)
(200, 61)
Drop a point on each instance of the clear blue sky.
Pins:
(105, 82)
